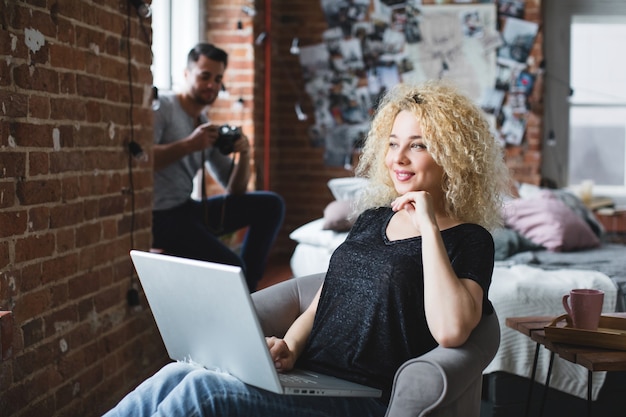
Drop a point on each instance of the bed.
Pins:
(550, 244)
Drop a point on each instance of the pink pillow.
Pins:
(547, 221)
(336, 216)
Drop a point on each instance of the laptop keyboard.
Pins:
(295, 379)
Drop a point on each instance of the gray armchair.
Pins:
(442, 382)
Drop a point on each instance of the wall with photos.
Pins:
(331, 60)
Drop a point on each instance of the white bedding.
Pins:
(517, 290)
(315, 245)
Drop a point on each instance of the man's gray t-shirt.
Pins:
(174, 183)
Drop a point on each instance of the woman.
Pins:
(413, 273)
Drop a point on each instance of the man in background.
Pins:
(186, 142)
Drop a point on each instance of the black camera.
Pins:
(226, 137)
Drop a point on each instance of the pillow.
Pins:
(347, 188)
(508, 242)
(578, 207)
(547, 221)
(312, 234)
(336, 216)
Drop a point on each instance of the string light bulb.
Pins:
(295, 49)
(249, 11)
(223, 92)
(238, 105)
(299, 113)
(143, 10)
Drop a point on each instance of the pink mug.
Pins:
(584, 307)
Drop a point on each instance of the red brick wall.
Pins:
(66, 206)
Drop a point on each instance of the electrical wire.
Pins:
(132, 294)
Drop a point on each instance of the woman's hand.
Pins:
(284, 359)
(418, 204)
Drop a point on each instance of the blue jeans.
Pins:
(182, 389)
(182, 231)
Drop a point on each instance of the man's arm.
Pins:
(202, 137)
(238, 183)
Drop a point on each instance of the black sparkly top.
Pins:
(370, 318)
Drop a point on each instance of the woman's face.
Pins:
(410, 165)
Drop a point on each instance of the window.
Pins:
(585, 103)
(176, 27)
(598, 104)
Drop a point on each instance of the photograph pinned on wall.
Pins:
(314, 59)
(386, 76)
(525, 81)
(344, 14)
(351, 56)
(491, 101)
(394, 41)
(332, 38)
(472, 24)
(412, 30)
(517, 99)
(513, 127)
(513, 8)
(446, 52)
(491, 41)
(504, 77)
(342, 143)
(519, 37)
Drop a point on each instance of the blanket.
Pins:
(522, 290)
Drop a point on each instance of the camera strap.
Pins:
(205, 204)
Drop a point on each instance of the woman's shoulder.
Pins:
(375, 213)
(468, 232)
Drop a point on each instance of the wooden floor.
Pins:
(277, 270)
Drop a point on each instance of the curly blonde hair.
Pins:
(458, 138)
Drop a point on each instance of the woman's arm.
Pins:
(286, 351)
(453, 306)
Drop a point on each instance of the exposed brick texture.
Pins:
(66, 203)
(66, 214)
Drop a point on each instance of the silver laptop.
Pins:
(205, 315)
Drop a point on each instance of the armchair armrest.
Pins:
(446, 381)
(279, 305)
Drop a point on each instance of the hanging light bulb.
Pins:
(299, 113)
(223, 92)
(295, 49)
(156, 103)
(143, 9)
(249, 11)
(259, 39)
(238, 105)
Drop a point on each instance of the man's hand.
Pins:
(242, 145)
(203, 136)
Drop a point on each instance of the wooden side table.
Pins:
(594, 359)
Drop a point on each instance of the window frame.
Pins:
(558, 17)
